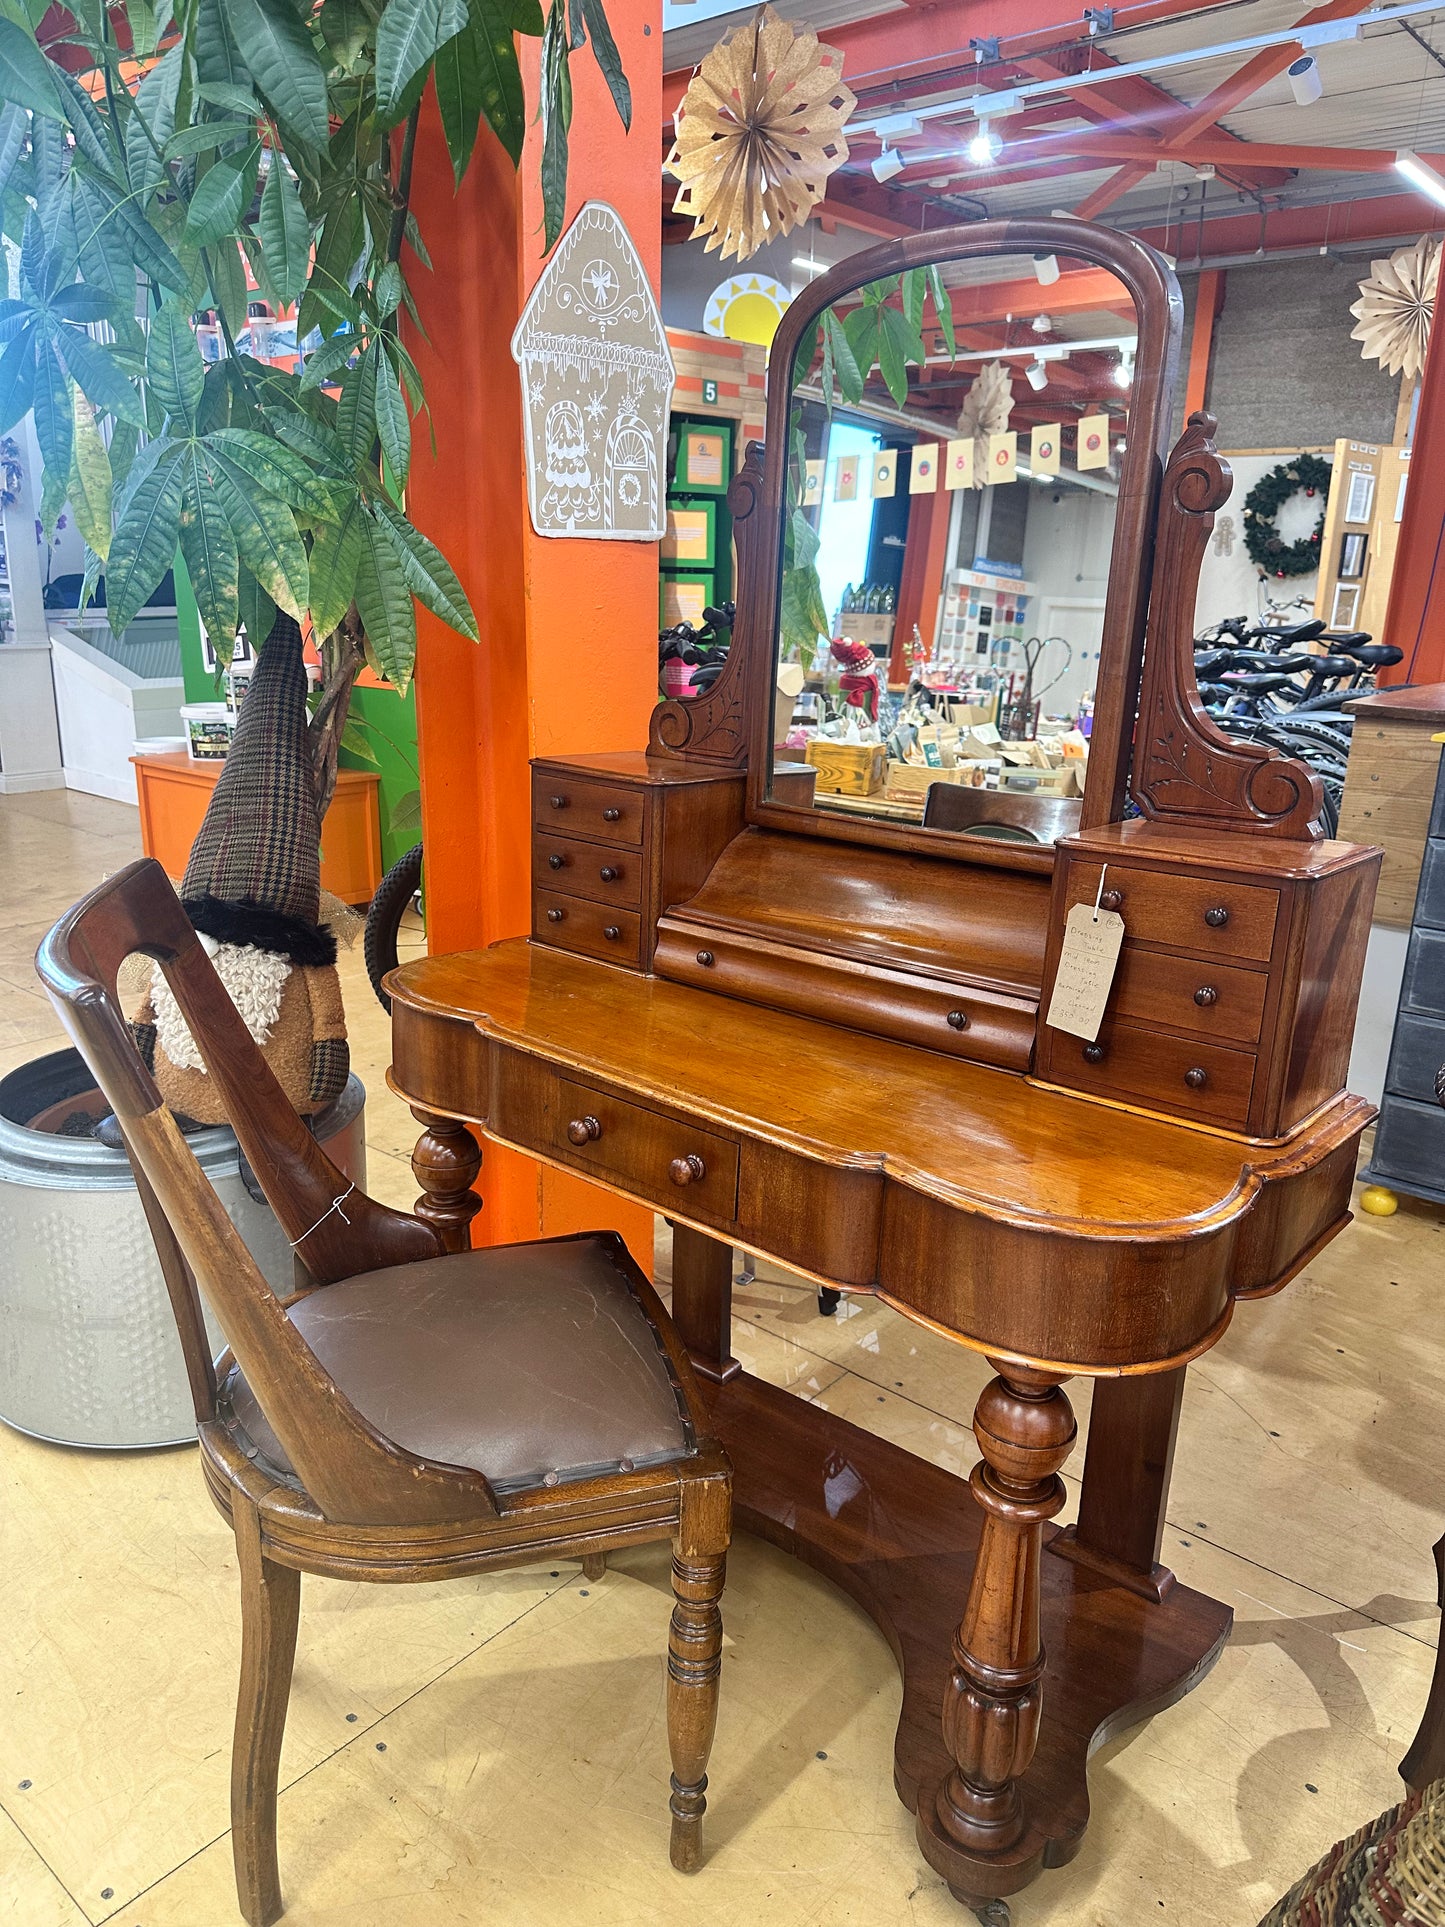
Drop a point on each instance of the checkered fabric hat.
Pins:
(254, 874)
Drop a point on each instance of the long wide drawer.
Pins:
(1184, 1076)
(578, 806)
(590, 929)
(1197, 914)
(1190, 993)
(587, 870)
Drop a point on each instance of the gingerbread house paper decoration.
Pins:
(597, 380)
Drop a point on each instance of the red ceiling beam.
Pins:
(1088, 147)
(1342, 224)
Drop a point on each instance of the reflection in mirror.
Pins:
(952, 483)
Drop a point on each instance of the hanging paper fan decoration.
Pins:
(986, 409)
(759, 131)
(1395, 308)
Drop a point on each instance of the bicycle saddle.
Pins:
(1293, 632)
(1258, 684)
(1348, 640)
(1375, 655)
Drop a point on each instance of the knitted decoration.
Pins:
(254, 981)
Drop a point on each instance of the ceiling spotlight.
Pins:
(1123, 372)
(888, 164)
(985, 146)
(1041, 324)
(1419, 175)
(1046, 268)
(1036, 375)
(1304, 80)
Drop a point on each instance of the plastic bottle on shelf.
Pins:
(845, 605)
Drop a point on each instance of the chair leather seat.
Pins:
(529, 1363)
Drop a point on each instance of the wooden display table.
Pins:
(1390, 786)
(173, 792)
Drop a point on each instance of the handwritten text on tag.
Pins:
(1087, 962)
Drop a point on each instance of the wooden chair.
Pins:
(1014, 814)
(412, 1414)
(1425, 1760)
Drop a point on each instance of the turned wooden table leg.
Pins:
(445, 1164)
(992, 1699)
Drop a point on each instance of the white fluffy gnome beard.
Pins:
(253, 979)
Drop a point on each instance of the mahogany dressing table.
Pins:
(822, 1037)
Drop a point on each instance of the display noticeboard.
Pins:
(704, 458)
(690, 539)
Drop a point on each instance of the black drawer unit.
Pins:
(1409, 1153)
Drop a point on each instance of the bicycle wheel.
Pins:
(393, 899)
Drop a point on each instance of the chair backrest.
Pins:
(1042, 819)
(352, 1472)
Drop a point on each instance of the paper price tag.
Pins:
(1087, 962)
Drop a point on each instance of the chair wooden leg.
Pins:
(594, 1564)
(694, 1663)
(270, 1608)
(1426, 1759)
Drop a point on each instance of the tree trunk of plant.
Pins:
(343, 657)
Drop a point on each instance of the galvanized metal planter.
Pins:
(88, 1348)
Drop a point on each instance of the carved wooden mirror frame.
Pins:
(733, 723)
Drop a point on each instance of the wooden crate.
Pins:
(848, 769)
(1389, 788)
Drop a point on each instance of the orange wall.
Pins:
(568, 655)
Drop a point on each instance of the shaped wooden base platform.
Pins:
(900, 1536)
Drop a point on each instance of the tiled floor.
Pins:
(506, 1761)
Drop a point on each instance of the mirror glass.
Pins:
(952, 481)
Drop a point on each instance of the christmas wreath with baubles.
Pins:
(1268, 550)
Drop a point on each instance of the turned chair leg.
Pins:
(694, 1663)
(594, 1564)
(270, 1607)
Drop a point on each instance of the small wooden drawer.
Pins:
(587, 870)
(1197, 914)
(1180, 1075)
(1191, 993)
(673, 1163)
(578, 806)
(590, 929)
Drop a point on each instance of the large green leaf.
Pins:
(13, 129)
(604, 49)
(144, 543)
(54, 422)
(409, 33)
(90, 479)
(266, 537)
(221, 197)
(284, 64)
(186, 142)
(92, 132)
(428, 573)
(499, 74)
(99, 374)
(26, 76)
(556, 121)
(393, 423)
(356, 409)
(335, 560)
(285, 232)
(943, 308)
(231, 98)
(259, 459)
(148, 250)
(84, 304)
(384, 602)
(258, 611)
(345, 25)
(217, 60)
(17, 382)
(209, 547)
(898, 345)
(845, 362)
(327, 361)
(228, 282)
(459, 95)
(174, 368)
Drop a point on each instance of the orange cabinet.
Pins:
(173, 793)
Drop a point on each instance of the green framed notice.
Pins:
(690, 541)
(704, 457)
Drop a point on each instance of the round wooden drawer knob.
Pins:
(558, 802)
(584, 1130)
(1196, 1079)
(958, 1020)
(612, 816)
(610, 873)
(555, 862)
(706, 959)
(1112, 900)
(612, 932)
(1094, 1053)
(555, 916)
(1205, 996)
(688, 1170)
(1217, 917)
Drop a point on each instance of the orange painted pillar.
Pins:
(924, 562)
(1208, 299)
(1415, 618)
(567, 660)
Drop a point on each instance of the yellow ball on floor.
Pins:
(1379, 1202)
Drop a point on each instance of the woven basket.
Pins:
(1389, 1874)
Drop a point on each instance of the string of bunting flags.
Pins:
(924, 464)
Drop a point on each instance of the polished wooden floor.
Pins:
(493, 1752)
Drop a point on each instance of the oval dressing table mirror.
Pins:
(1067, 1091)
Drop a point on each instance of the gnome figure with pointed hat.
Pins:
(252, 889)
